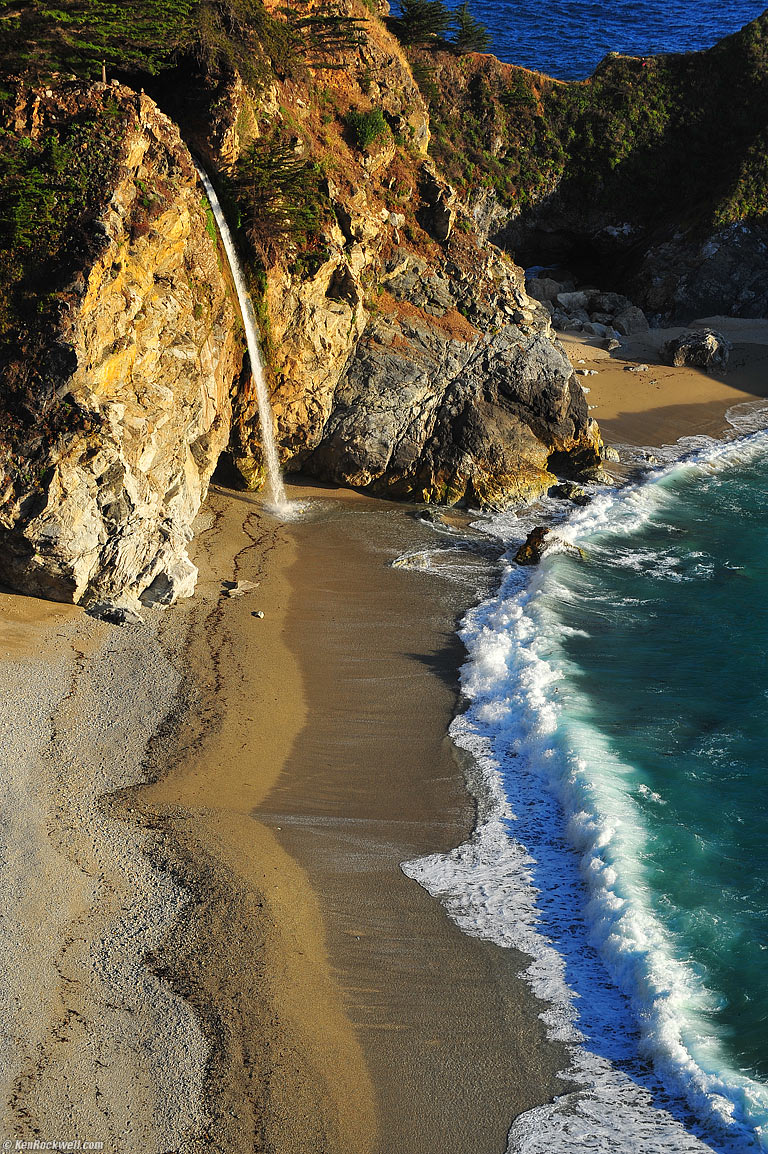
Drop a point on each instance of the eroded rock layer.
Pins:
(403, 353)
(118, 405)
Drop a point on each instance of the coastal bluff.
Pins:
(116, 386)
(380, 193)
(404, 356)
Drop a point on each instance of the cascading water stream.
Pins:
(275, 485)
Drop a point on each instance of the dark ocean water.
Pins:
(568, 38)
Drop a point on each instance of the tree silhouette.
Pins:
(470, 34)
(421, 20)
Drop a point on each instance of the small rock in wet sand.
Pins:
(238, 588)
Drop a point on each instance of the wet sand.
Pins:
(230, 958)
(418, 1038)
(450, 1034)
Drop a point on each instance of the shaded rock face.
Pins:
(727, 272)
(442, 408)
(700, 348)
(138, 366)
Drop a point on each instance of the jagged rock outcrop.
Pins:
(532, 549)
(726, 272)
(411, 361)
(136, 369)
(404, 354)
(439, 407)
(700, 348)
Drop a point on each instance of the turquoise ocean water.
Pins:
(618, 718)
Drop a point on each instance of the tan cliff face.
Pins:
(349, 358)
(404, 355)
(147, 332)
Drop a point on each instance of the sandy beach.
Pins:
(207, 939)
(658, 405)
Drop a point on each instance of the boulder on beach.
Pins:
(698, 348)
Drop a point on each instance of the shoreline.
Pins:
(661, 405)
(277, 945)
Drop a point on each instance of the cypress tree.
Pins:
(421, 20)
(470, 34)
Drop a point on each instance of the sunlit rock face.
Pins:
(133, 378)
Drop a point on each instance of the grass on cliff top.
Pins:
(145, 37)
(644, 137)
(48, 184)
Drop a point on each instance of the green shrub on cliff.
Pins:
(366, 126)
(228, 35)
(46, 185)
(280, 198)
(78, 35)
(648, 140)
(326, 36)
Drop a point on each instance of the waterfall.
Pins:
(275, 485)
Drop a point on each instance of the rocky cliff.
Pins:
(406, 357)
(117, 401)
(650, 177)
(403, 352)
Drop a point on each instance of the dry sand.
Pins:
(659, 406)
(230, 958)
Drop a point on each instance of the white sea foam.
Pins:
(551, 871)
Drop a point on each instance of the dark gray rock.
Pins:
(543, 288)
(447, 414)
(726, 274)
(114, 613)
(569, 491)
(700, 348)
(631, 321)
(572, 302)
(438, 210)
(608, 303)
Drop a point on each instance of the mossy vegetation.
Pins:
(366, 127)
(52, 184)
(77, 36)
(49, 183)
(488, 127)
(648, 138)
